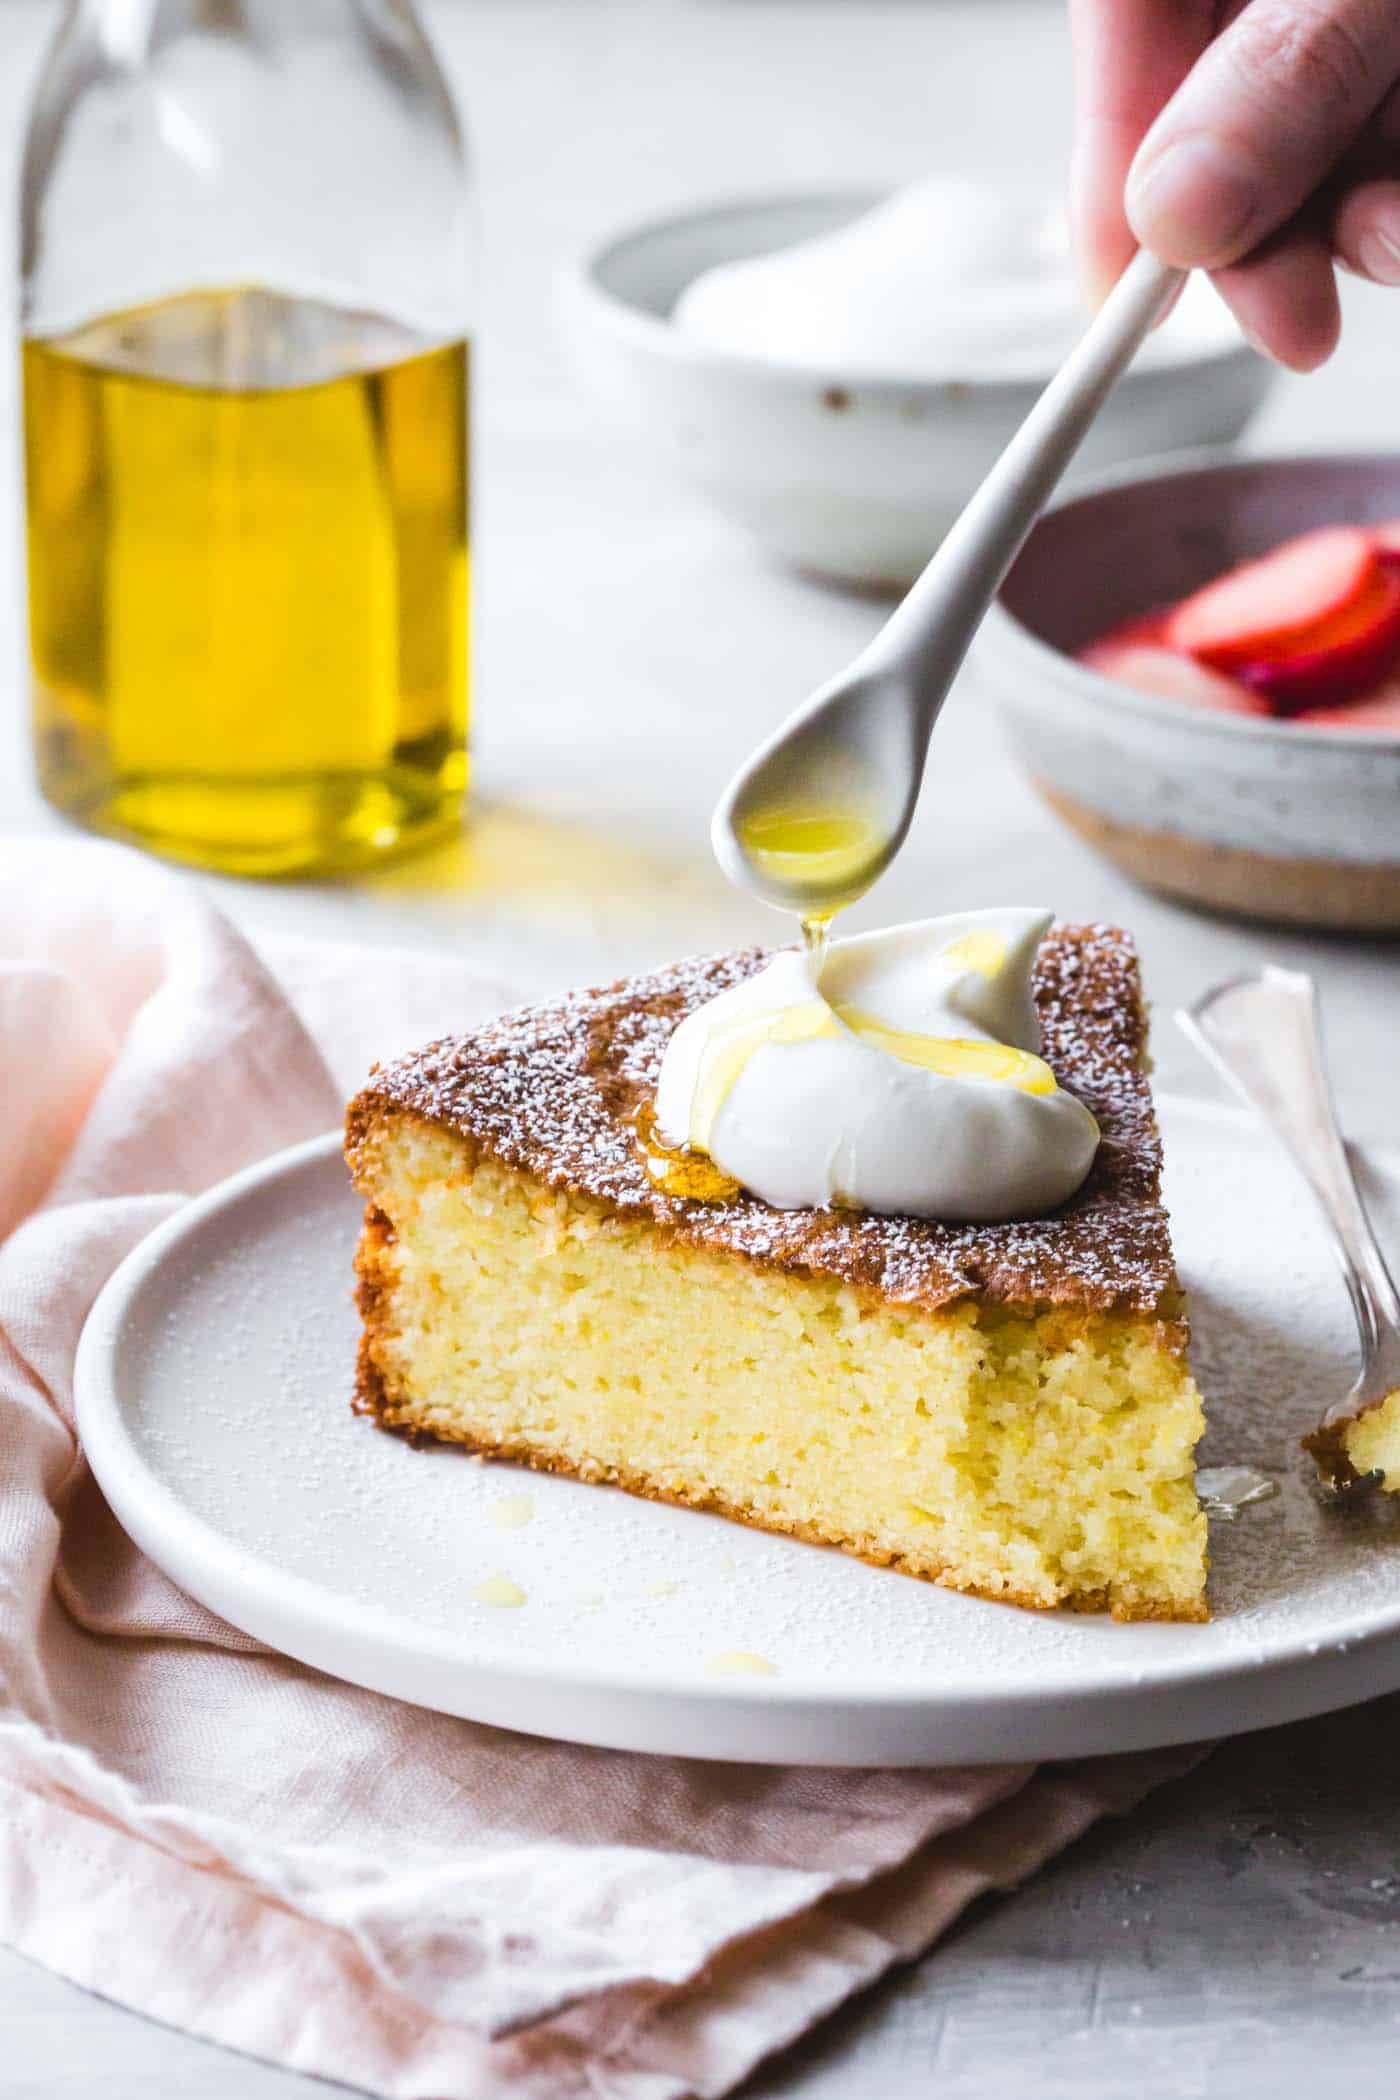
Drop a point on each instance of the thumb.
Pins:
(1262, 119)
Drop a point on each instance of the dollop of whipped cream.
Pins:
(901, 1076)
(945, 279)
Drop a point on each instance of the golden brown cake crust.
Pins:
(1327, 1446)
(552, 1091)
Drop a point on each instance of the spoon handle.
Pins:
(1262, 1034)
(928, 635)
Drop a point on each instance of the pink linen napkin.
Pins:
(234, 1844)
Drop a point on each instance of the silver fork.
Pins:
(1263, 1034)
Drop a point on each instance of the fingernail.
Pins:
(1194, 202)
(1379, 256)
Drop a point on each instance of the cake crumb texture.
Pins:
(1361, 1447)
(1039, 1454)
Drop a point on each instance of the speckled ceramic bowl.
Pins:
(1296, 824)
(834, 471)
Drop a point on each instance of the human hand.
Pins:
(1256, 139)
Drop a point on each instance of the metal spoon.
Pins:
(856, 749)
(1262, 1034)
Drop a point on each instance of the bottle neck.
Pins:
(128, 30)
(309, 148)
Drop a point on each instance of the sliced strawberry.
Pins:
(1266, 608)
(1338, 658)
(1386, 539)
(1150, 669)
(1378, 712)
(1143, 627)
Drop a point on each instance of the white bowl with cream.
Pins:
(837, 373)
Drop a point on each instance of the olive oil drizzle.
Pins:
(679, 1170)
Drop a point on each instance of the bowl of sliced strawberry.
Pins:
(1309, 632)
(1200, 667)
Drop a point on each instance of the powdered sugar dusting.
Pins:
(553, 1090)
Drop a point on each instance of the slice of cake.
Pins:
(1002, 1408)
(1359, 1445)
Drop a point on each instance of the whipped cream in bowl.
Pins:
(900, 1074)
(945, 279)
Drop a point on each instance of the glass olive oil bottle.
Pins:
(245, 399)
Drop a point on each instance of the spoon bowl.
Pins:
(822, 808)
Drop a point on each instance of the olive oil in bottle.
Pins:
(246, 267)
(247, 577)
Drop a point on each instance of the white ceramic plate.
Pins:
(213, 1387)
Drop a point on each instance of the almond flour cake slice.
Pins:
(1005, 1409)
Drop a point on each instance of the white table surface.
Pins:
(1242, 1934)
